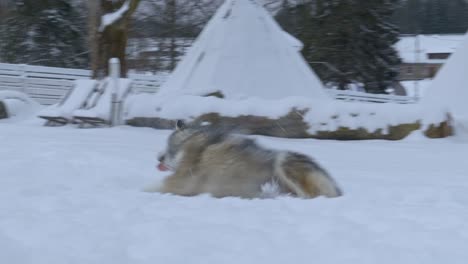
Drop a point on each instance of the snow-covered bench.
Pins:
(98, 109)
(77, 97)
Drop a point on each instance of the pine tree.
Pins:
(12, 36)
(4, 8)
(334, 49)
(349, 42)
(430, 22)
(458, 16)
(285, 16)
(408, 16)
(59, 35)
(47, 32)
(432, 16)
(376, 60)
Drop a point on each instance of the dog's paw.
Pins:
(270, 190)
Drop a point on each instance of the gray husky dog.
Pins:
(204, 159)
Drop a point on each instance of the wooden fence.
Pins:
(48, 85)
(347, 95)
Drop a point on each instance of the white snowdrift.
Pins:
(74, 196)
(19, 106)
(449, 90)
(322, 116)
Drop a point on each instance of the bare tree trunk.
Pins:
(3, 8)
(93, 23)
(171, 13)
(110, 41)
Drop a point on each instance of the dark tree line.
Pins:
(65, 33)
(432, 16)
(46, 32)
(172, 23)
(347, 42)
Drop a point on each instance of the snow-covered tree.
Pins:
(347, 42)
(4, 7)
(432, 16)
(48, 32)
(167, 27)
(109, 25)
(376, 59)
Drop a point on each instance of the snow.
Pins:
(416, 88)
(296, 43)
(74, 196)
(111, 18)
(406, 47)
(245, 55)
(74, 100)
(86, 101)
(243, 52)
(417, 135)
(19, 105)
(449, 88)
(102, 109)
(321, 116)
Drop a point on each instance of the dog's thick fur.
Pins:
(207, 160)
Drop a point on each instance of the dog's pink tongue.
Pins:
(162, 167)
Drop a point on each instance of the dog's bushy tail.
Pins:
(303, 177)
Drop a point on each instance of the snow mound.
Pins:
(460, 125)
(321, 116)
(417, 135)
(19, 106)
(74, 196)
(449, 90)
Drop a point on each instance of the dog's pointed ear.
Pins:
(180, 125)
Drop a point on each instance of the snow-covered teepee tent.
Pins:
(268, 88)
(243, 52)
(449, 90)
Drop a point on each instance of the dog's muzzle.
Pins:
(161, 166)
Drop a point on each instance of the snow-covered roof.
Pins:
(243, 52)
(407, 47)
(450, 86)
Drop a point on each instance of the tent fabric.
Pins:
(243, 52)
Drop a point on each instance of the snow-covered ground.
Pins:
(409, 45)
(72, 195)
(19, 106)
(416, 88)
